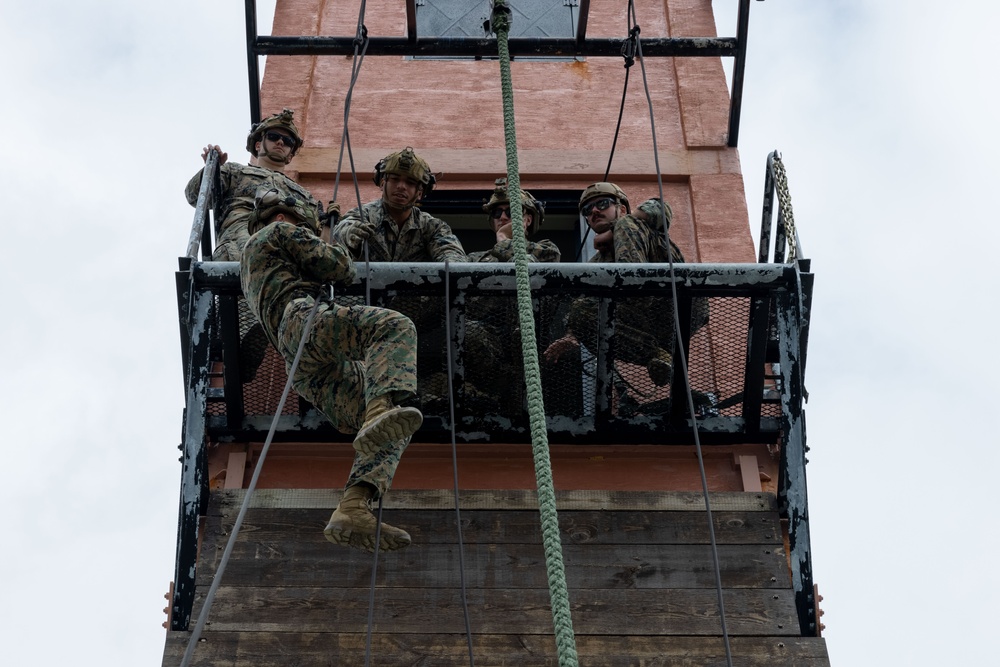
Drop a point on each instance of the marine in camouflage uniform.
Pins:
(395, 230)
(273, 142)
(644, 329)
(357, 362)
(239, 183)
(493, 368)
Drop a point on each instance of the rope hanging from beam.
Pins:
(565, 640)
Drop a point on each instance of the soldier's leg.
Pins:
(353, 523)
(390, 343)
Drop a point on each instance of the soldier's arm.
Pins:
(443, 244)
(538, 251)
(654, 212)
(191, 190)
(352, 231)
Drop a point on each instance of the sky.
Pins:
(884, 113)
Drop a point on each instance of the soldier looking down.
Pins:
(500, 220)
(273, 142)
(358, 363)
(646, 332)
(395, 229)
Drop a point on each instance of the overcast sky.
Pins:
(886, 118)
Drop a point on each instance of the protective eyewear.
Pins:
(278, 136)
(499, 212)
(601, 205)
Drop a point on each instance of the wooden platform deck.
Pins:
(638, 565)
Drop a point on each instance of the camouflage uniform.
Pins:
(238, 185)
(352, 355)
(503, 251)
(493, 358)
(423, 238)
(643, 328)
(639, 241)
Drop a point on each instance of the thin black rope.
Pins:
(217, 578)
(454, 458)
(361, 42)
(681, 353)
(628, 53)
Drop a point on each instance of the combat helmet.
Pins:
(268, 202)
(283, 121)
(606, 190)
(405, 163)
(527, 201)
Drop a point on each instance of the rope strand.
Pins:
(565, 640)
(682, 355)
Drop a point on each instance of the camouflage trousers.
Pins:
(352, 355)
(230, 244)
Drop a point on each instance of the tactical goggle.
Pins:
(278, 136)
(500, 211)
(600, 204)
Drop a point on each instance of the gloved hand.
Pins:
(332, 215)
(358, 232)
(651, 211)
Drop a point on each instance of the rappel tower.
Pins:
(683, 523)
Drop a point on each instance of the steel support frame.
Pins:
(486, 47)
(196, 337)
(792, 493)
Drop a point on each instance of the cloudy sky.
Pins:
(885, 115)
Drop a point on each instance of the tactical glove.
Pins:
(654, 208)
(357, 233)
(332, 215)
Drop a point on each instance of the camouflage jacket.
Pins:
(503, 251)
(282, 262)
(238, 187)
(641, 241)
(423, 238)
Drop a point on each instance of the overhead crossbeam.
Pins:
(562, 47)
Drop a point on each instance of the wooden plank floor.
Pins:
(638, 565)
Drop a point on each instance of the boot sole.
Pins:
(394, 425)
(347, 537)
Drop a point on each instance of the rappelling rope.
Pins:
(563, 622)
(454, 462)
(217, 578)
(682, 355)
(361, 42)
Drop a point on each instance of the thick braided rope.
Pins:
(563, 622)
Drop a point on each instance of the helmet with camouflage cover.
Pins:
(270, 201)
(279, 121)
(528, 202)
(604, 189)
(405, 163)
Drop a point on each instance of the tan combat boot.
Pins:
(353, 524)
(661, 367)
(385, 423)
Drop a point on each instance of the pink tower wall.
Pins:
(450, 112)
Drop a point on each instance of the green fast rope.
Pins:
(565, 641)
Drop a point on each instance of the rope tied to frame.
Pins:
(565, 640)
(629, 47)
(785, 204)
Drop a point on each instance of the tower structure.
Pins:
(684, 532)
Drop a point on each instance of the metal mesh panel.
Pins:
(619, 373)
